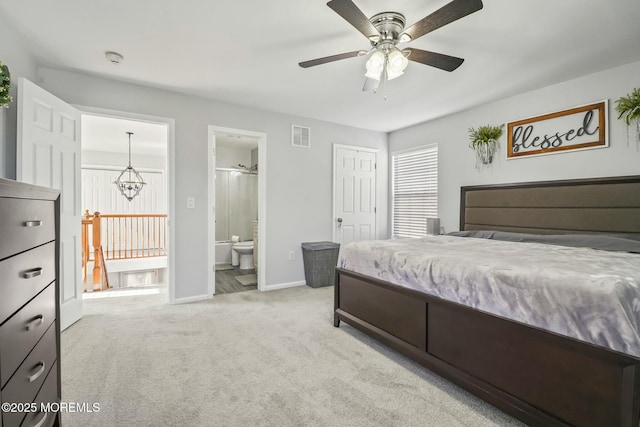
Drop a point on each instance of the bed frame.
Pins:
(537, 376)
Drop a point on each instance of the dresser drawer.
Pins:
(25, 224)
(23, 276)
(23, 330)
(25, 383)
(47, 394)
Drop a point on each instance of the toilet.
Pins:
(242, 254)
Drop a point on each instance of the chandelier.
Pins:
(129, 181)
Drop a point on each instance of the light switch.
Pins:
(191, 202)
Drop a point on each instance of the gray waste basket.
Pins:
(320, 260)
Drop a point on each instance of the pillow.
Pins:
(614, 243)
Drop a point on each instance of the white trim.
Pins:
(191, 299)
(170, 175)
(119, 168)
(134, 264)
(375, 151)
(285, 285)
(211, 218)
(262, 204)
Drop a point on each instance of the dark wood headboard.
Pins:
(598, 205)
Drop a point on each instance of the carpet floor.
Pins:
(248, 359)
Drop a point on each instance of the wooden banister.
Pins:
(120, 236)
(104, 277)
(97, 249)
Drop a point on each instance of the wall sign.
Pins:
(578, 128)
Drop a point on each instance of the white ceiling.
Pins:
(246, 52)
(109, 134)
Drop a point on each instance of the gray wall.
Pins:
(299, 194)
(231, 157)
(15, 54)
(456, 161)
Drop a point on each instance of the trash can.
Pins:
(320, 260)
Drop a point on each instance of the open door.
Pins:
(48, 154)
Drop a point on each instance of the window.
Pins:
(414, 191)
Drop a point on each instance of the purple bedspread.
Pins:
(583, 293)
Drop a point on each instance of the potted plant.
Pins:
(484, 141)
(5, 85)
(628, 108)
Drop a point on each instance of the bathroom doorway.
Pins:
(236, 210)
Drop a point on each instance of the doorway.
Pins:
(236, 210)
(137, 237)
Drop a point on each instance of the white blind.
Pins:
(415, 191)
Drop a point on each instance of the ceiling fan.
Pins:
(386, 30)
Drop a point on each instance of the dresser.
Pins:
(29, 305)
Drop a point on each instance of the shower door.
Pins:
(236, 204)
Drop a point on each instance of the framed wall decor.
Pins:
(577, 128)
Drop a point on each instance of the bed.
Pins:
(533, 371)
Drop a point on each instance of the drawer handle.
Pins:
(40, 423)
(36, 223)
(38, 372)
(34, 272)
(35, 322)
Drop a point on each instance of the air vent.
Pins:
(300, 136)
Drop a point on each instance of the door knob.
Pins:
(339, 222)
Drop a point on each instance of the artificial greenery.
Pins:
(5, 85)
(484, 141)
(484, 135)
(628, 107)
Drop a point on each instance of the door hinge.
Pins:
(375, 166)
(375, 210)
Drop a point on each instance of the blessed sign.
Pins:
(577, 128)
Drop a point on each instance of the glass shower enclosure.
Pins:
(236, 204)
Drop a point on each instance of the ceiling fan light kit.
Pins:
(375, 64)
(385, 30)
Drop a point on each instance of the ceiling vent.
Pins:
(300, 136)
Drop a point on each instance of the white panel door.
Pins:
(48, 154)
(354, 171)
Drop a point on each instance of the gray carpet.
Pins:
(247, 359)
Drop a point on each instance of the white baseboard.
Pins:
(284, 285)
(191, 299)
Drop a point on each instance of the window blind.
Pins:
(414, 191)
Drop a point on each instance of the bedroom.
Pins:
(293, 175)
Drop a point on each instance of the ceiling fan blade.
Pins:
(354, 16)
(318, 61)
(438, 60)
(445, 15)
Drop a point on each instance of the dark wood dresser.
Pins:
(29, 305)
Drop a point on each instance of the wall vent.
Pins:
(300, 136)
